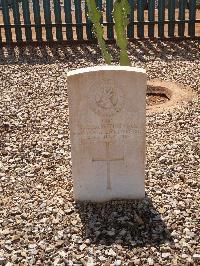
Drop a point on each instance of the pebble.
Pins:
(118, 263)
(111, 252)
(196, 256)
(102, 258)
(82, 247)
(150, 261)
(166, 255)
(32, 246)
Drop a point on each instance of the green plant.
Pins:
(121, 10)
(120, 14)
(95, 16)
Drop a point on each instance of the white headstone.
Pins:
(107, 131)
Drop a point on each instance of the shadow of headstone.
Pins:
(128, 223)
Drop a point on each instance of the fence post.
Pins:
(16, 15)
(0, 37)
(181, 17)
(130, 28)
(47, 18)
(6, 20)
(109, 18)
(58, 20)
(37, 19)
(88, 24)
(192, 18)
(140, 16)
(151, 18)
(78, 15)
(68, 19)
(27, 21)
(171, 17)
(161, 17)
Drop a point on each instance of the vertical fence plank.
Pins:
(27, 21)
(130, 28)
(109, 19)
(16, 15)
(47, 18)
(88, 24)
(161, 17)
(37, 19)
(171, 17)
(68, 19)
(78, 16)
(99, 5)
(181, 24)
(192, 18)
(140, 17)
(58, 20)
(151, 18)
(6, 20)
(0, 37)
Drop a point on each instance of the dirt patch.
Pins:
(166, 95)
(156, 98)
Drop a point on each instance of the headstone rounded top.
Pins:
(105, 68)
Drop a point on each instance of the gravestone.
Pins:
(107, 132)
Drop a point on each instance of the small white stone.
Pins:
(32, 246)
(90, 261)
(56, 261)
(102, 258)
(111, 252)
(82, 247)
(117, 262)
(60, 234)
(9, 264)
(62, 253)
(150, 262)
(162, 159)
(196, 256)
(111, 233)
(166, 255)
(87, 241)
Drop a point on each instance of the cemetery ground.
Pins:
(40, 224)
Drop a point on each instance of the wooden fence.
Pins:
(29, 21)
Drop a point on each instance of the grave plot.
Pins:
(40, 223)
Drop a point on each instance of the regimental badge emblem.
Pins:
(106, 99)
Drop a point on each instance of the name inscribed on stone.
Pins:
(108, 131)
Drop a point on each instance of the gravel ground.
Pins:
(40, 224)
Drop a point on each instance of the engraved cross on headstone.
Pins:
(108, 160)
